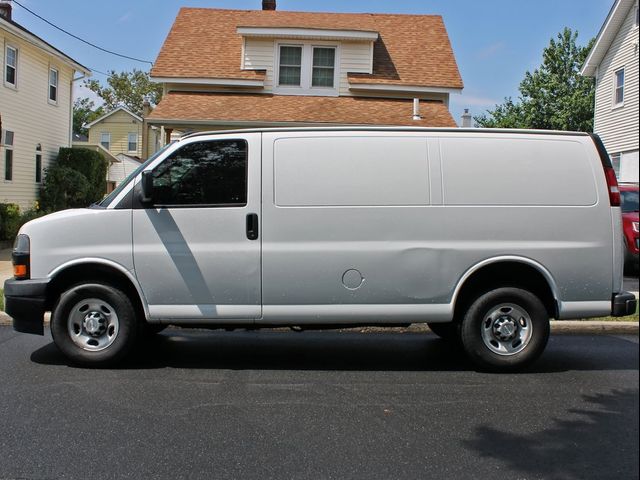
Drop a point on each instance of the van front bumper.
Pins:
(25, 303)
(623, 304)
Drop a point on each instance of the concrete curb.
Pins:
(575, 327)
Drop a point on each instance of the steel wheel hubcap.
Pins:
(93, 324)
(506, 329)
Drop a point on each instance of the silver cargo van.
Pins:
(482, 234)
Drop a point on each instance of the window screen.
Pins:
(323, 67)
(290, 65)
(203, 174)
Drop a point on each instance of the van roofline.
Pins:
(386, 129)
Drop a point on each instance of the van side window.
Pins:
(203, 174)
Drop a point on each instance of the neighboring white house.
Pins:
(120, 170)
(35, 108)
(613, 61)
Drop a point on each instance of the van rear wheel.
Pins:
(94, 324)
(505, 329)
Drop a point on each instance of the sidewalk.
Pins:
(6, 270)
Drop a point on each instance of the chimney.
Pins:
(466, 119)
(5, 10)
(416, 109)
(146, 108)
(268, 4)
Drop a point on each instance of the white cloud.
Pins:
(489, 51)
(125, 18)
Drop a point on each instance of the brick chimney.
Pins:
(268, 4)
(5, 9)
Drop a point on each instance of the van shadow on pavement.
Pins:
(348, 351)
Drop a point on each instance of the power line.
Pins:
(81, 39)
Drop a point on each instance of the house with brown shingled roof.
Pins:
(226, 69)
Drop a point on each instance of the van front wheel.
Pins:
(505, 329)
(94, 324)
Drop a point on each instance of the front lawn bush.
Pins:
(92, 165)
(63, 188)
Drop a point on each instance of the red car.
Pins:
(629, 194)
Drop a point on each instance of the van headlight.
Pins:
(21, 257)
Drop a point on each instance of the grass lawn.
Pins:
(1, 300)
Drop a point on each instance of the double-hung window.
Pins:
(53, 85)
(38, 163)
(307, 69)
(11, 66)
(324, 65)
(290, 73)
(619, 87)
(8, 155)
(132, 142)
(105, 140)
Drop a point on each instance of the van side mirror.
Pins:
(146, 194)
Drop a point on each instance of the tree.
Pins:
(555, 96)
(84, 112)
(127, 89)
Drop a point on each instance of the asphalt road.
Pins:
(287, 405)
(630, 283)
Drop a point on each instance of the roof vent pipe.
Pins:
(466, 119)
(416, 109)
(5, 9)
(268, 4)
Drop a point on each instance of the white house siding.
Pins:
(27, 112)
(355, 57)
(259, 55)
(618, 126)
(121, 170)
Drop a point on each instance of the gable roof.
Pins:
(108, 114)
(193, 108)
(606, 35)
(19, 31)
(410, 50)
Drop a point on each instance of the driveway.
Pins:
(320, 405)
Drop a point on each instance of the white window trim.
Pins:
(105, 133)
(129, 142)
(616, 104)
(305, 87)
(8, 46)
(57, 85)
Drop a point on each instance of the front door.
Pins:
(193, 254)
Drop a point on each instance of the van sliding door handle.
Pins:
(252, 226)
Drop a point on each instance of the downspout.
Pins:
(73, 80)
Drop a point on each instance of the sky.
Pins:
(495, 41)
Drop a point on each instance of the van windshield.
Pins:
(109, 198)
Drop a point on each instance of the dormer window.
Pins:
(290, 65)
(307, 69)
(324, 66)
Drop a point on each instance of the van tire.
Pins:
(449, 331)
(94, 325)
(505, 330)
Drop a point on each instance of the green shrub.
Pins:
(92, 165)
(9, 220)
(63, 188)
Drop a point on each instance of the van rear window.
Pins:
(351, 171)
(508, 170)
